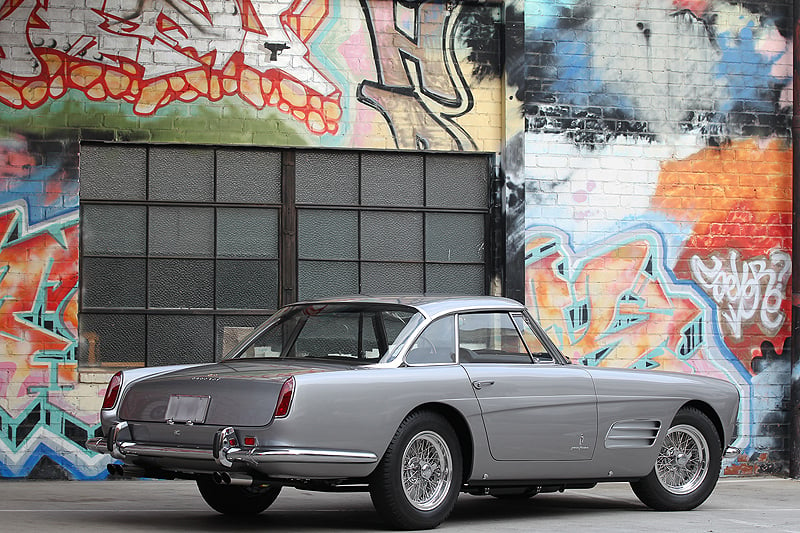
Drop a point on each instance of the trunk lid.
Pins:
(230, 393)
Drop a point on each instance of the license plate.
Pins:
(184, 408)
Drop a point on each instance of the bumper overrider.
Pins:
(224, 451)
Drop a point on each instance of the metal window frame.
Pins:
(288, 260)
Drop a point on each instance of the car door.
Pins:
(534, 407)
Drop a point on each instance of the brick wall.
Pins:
(658, 194)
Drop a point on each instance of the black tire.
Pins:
(687, 466)
(236, 499)
(410, 492)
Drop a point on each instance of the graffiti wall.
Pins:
(644, 144)
(368, 73)
(329, 73)
(658, 194)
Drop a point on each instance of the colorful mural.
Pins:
(338, 73)
(643, 144)
(402, 59)
(657, 143)
(153, 55)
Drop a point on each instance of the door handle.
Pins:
(481, 384)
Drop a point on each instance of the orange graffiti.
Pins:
(632, 318)
(736, 197)
(38, 297)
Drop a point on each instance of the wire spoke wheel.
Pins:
(417, 481)
(683, 461)
(426, 470)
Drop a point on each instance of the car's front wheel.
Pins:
(687, 466)
(236, 499)
(418, 479)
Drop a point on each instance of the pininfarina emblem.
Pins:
(581, 444)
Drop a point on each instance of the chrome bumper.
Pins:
(731, 451)
(224, 451)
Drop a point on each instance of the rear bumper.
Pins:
(731, 451)
(225, 452)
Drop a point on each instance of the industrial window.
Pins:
(184, 249)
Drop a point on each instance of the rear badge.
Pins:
(209, 377)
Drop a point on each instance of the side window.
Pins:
(535, 346)
(435, 344)
(490, 338)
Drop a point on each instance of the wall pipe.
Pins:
(794, 380)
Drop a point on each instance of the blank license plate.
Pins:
(187, 408)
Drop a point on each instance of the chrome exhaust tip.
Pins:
(120, 470)
(224, 478)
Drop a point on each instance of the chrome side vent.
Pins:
(633, 434)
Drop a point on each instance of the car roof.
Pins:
(430, 306)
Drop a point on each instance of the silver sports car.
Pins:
(414, 399)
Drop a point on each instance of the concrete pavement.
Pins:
(737, 505)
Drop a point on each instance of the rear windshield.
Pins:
(353, 333)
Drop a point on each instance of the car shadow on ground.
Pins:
(357, 514)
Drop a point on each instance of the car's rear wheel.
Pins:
(687, 466)
(235, 499)
(418, 479)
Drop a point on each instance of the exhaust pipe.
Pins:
(116, 469)
(224, 478)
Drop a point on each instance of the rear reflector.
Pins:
(285, 398)
(112, 391)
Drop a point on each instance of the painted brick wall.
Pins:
(652, 151)
(658, 194)
(324, 73)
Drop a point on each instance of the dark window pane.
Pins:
(391, 236)
(179, 339)
(182, 231)
(181, 174)
(327, 234)
(327, 178)
(112, 338)
(247, 232)
(114, 229)
(249, 176)
(231, 330)
(113, 172)
(461, 181)
(247, 284)
(317, 279)
(391, 179)
(392, 278)
(456, 237)
(455, 279)
(113, 282)
(178, 283)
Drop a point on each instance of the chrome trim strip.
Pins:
(253, 456)
(300, 455)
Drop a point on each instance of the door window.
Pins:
(490, 338)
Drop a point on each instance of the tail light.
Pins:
(112, 391)
(285, 398)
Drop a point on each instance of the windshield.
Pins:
(357, 333)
